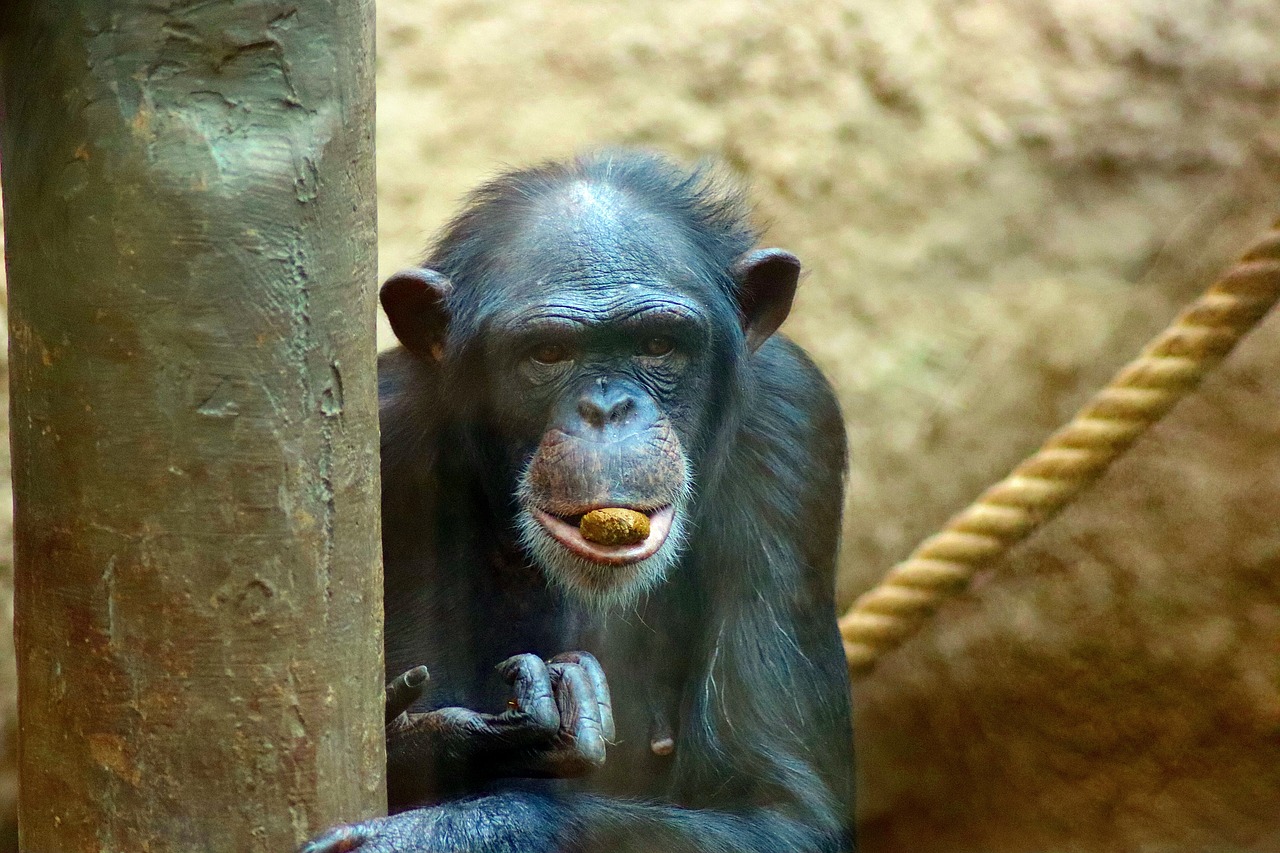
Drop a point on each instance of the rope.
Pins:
(1168, 368)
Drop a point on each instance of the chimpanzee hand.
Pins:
(561, 709)
(557, 725)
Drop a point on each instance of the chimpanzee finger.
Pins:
(595, 674)
(341, 840)
(405, 689)
(579, 712)
(531, 683)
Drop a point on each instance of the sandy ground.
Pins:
(997, 203)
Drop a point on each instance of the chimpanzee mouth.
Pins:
(564, 529)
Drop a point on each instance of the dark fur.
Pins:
(736, 652)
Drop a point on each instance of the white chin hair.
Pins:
(603, 587)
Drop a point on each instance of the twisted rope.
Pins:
(1073, 457)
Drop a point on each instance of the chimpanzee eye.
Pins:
(549, 353)
(658, 346)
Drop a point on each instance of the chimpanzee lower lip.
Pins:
(567, 534)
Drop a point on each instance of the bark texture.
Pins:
(189, 202)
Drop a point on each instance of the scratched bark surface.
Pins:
(189, 202)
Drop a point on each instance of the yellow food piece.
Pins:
(614, 526)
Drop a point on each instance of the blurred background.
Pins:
(998, 202)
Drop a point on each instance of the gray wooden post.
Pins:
(190, 229)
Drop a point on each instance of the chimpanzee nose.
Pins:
(606, 406)
(606, 410)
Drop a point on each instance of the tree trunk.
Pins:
(189, 205)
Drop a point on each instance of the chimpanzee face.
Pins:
(600, 363)
(601, 333)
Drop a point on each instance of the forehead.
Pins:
(592, 249)
(594, 228)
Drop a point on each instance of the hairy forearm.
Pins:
(527, 822)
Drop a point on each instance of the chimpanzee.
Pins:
(590, 334)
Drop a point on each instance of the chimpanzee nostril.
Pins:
(591, 412)
(621, 410)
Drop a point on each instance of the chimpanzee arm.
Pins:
(522, 822)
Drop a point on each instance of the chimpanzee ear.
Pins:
(414, 302)
(766, 285)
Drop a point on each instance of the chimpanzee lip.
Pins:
(564, 529)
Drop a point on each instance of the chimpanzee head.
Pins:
(591, 321)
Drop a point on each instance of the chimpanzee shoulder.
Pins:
(793, 439)
(802, 405)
